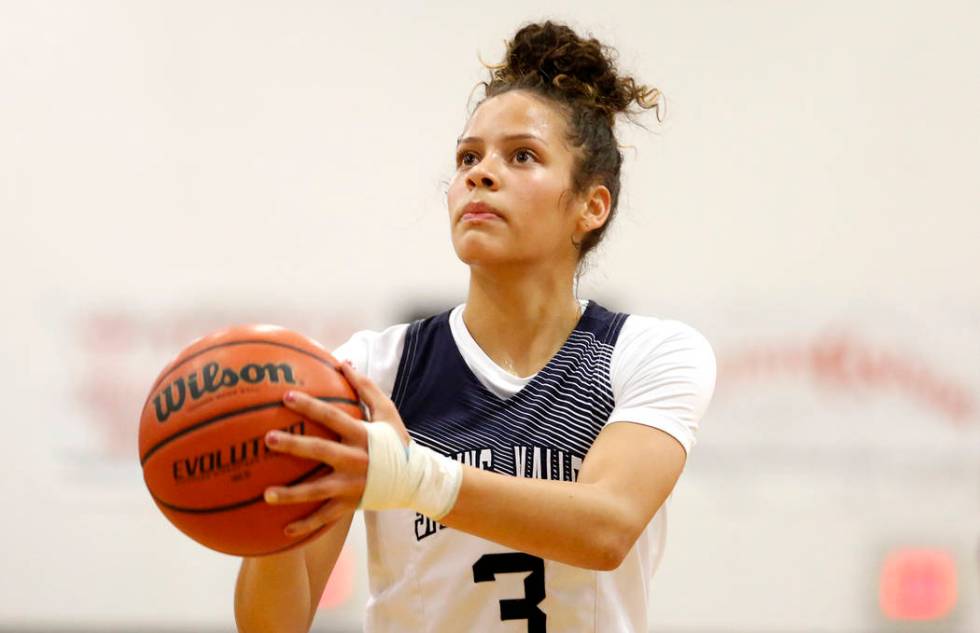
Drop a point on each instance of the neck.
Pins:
(521, 319)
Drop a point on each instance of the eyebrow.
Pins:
(508, 137)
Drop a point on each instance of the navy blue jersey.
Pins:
(542, 431)
(455, 400)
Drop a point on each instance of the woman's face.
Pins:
(510, 200)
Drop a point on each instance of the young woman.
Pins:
(524, 432)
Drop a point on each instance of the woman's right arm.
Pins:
(280, 592)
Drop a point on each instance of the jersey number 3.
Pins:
(487, 568)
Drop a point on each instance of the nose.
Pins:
(482, 175)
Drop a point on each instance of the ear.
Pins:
(594, 210)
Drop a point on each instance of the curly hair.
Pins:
(580, 76)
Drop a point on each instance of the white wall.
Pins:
(810, 203)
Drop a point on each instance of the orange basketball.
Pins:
(201, 439)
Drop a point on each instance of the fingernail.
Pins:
(290, 396)
(271, 496)
(272, 438)
(291, 530)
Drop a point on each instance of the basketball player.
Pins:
(523, 444)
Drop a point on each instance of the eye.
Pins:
(524, 156)
(466, 159)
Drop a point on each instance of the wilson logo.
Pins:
(213, 377)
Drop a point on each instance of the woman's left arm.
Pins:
(626, 476)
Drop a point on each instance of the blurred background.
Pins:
(810, 203)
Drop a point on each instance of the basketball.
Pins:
(202, 428)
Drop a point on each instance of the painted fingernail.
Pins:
(291, 530)
(290, 396)
(272, 438)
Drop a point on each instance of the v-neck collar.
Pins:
(483, 369)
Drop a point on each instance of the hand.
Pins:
(342, 489)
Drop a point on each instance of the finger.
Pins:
(379, 404)
(334, 486)
(339, 456)
(324, 413)
(326, 515)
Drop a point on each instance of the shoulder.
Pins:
(663, 375)
(376, 353)
(650, 337)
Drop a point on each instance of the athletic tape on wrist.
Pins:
(412, 477)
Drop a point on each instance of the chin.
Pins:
(476, 252)
(473, 257)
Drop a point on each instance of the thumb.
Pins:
(379, 405)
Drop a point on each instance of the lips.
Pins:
(476, 211)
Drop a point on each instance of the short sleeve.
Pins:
(663, 375)
(375, 354)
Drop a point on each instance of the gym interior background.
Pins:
(810, 203)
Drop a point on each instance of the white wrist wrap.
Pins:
(412, 477)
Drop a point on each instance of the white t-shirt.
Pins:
(661, 373)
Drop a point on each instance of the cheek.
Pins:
(547, 198)
(456, 189)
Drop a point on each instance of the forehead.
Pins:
(516, 112)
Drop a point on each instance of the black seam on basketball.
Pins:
(228, 414)
(168, 371)
(238, 504)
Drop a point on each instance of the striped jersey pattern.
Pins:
(542, 431)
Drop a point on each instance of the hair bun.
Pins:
(553, 58)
